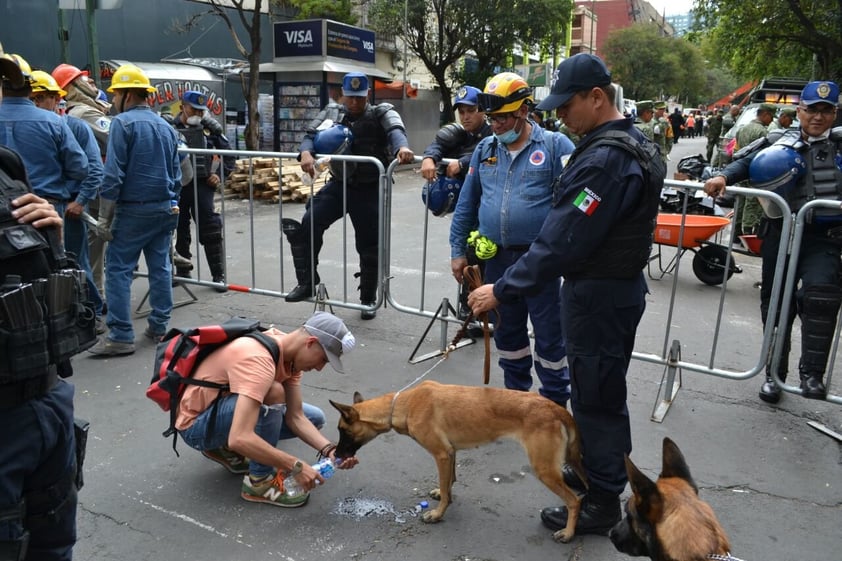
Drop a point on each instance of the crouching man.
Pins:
(265, 405)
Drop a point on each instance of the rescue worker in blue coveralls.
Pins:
(37, 444)
(46, 95)
(375, 130)
(444, 181)
(598, 236)
(143, 177)
(801, 166)
(202, 132)
(508, 192)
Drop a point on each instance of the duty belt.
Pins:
(17, 393)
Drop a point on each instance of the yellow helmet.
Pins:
(25, 69)
(10, 70)
(504, 93)
(129, 76)
(43, 82)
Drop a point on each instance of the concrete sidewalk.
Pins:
(774, 482)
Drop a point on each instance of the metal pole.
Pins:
(405, 31)
(593, 13)
(62, 36)
(93, 41)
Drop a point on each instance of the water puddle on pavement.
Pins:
(358, 507)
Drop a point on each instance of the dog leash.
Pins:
(473, 276)
(409, 385)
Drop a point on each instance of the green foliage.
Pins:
(441, 32)
(651, 66)
(774, 37)
(337, 10)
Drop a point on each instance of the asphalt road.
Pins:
(774, 482)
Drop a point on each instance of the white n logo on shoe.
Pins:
(273, 493)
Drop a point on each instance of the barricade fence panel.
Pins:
(694, 266)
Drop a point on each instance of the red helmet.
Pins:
(65, 73)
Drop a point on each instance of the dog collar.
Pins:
(726, 557)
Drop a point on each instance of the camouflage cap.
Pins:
(660, 105)
(770, 107)
(645, 106)
(790, 111)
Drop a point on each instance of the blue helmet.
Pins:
(778, 169)
(440, 196)
(333, 140)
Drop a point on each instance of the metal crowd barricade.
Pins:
(444, 313)
(789, 288)
(670, 353)
(279, 290)
(667, 355)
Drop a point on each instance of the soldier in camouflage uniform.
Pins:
(784, 120)
(645, 122)
(714, 130)
(666, 136)
(756, 128)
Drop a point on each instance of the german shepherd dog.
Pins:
(666, 520)
(446, 418)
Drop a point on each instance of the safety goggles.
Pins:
(489, 103)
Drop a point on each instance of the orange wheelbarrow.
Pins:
(711, 262)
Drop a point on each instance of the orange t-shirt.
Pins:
(245, 365)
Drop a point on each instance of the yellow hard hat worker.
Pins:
(10, 70)
(43, 82)
(504, 93)
(25, 69)
(129, 76)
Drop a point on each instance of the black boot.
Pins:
(600, 512)
(769, 391)
(216, 263)
(819, 308)
(812, 386)
(300, 251)
(368, 283)
(572, 480)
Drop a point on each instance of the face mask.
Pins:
(509, 136)
(194, 120)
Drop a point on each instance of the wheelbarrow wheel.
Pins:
(709, 263)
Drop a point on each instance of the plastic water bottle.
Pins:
(325, 467)
(322, 164)
(319, 166)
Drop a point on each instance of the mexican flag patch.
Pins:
(587, 201)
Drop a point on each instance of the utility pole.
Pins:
(63, 36)
(405, 33)
(93, 41)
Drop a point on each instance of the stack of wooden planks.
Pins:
(270, 179)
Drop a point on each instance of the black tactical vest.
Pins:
(45, 313)
(195, 138)
(625, 252)
(369, 140)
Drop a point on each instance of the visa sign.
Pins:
(323, 37)
(298, 38)
(301, 36)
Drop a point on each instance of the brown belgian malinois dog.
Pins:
(446, 418)
(666, 520)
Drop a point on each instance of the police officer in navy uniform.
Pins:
(598, 236)
(37, 443)
(202, 132)
(801, 166)
(378, 131)
(455, 141)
